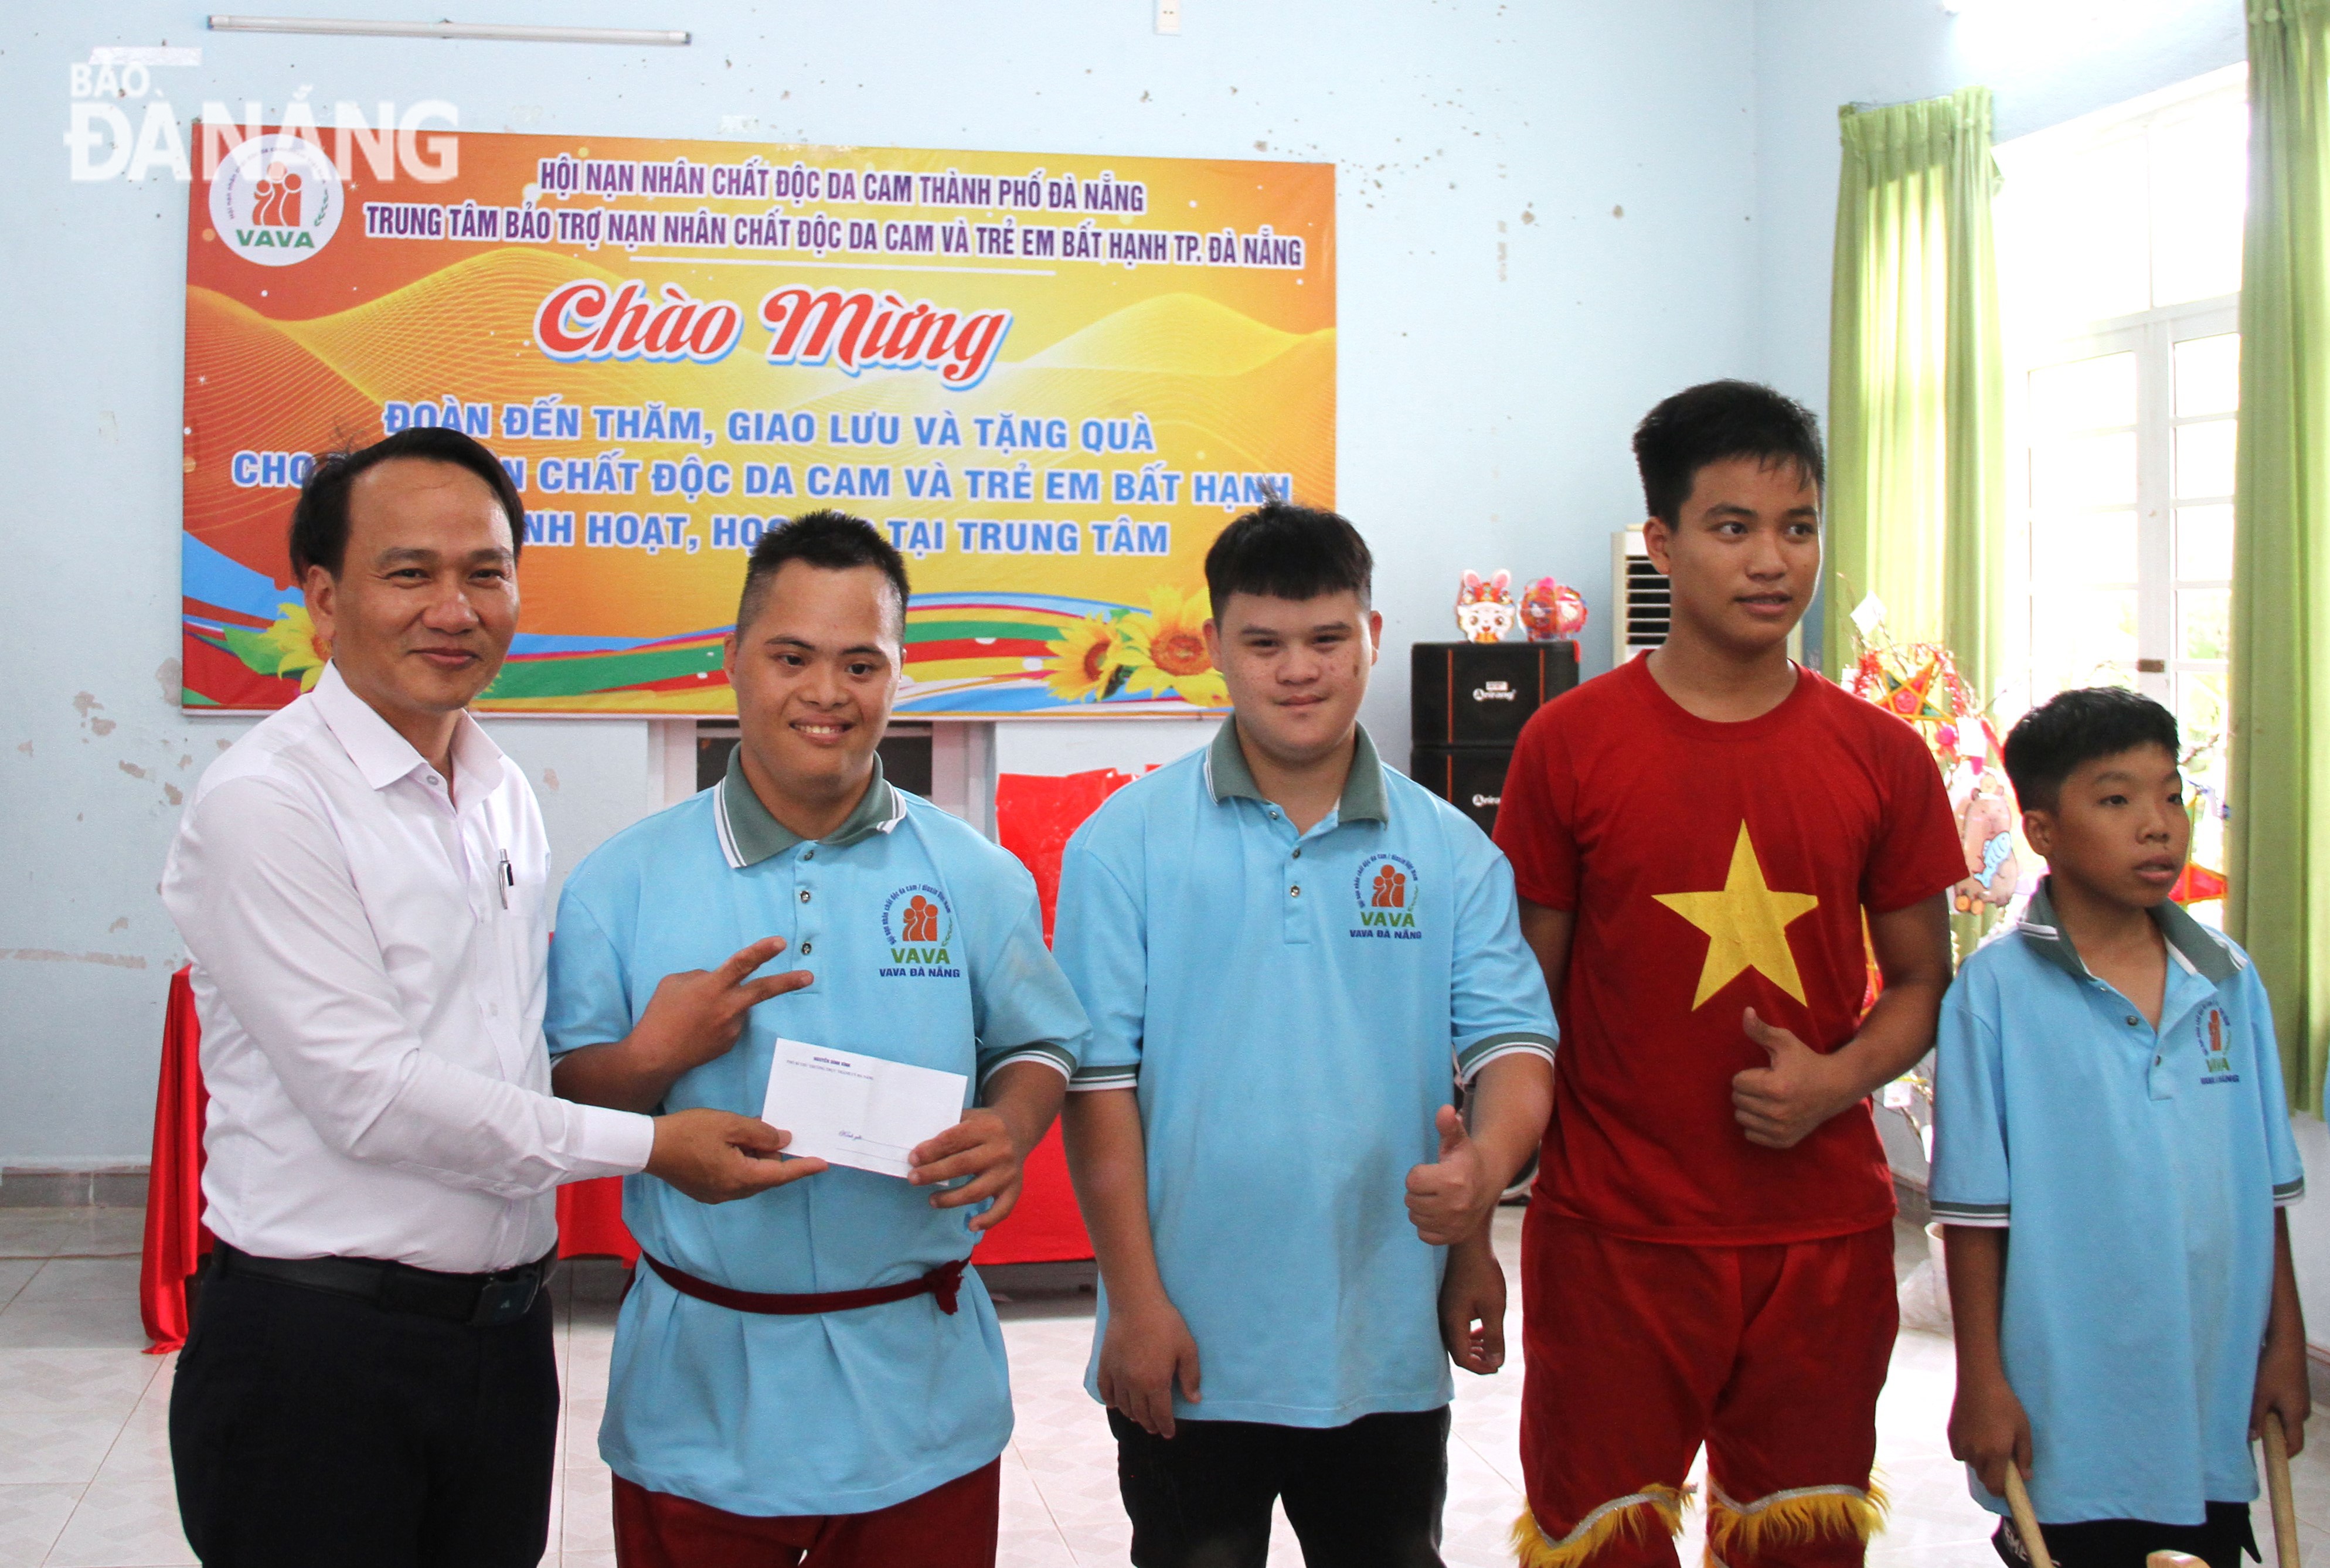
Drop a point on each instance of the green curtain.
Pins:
(1917, 494)
(2278, 839)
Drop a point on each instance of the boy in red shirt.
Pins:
(1697, 839)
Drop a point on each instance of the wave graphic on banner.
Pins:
(1209, 379)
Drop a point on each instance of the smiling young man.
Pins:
(816, 1371)
(1698, 837)
(369, 1379)
(1290, 954)
(2109, 1096)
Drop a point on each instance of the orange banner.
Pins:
(1051, 380)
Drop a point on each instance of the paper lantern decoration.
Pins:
(1552, 612)
(1484, 610)
(1918, 682)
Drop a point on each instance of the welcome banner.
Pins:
(1051, 380)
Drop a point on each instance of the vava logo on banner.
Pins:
(276, 200)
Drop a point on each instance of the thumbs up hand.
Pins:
(1449, 1199)
(1778, 1106)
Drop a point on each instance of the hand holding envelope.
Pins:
(895, 1119)
(853, 1109)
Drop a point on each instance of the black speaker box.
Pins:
(1481, 694)
(1470, 777)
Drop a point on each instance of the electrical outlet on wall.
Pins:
(1168, 15)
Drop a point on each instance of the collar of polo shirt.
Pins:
(2187, 938)
(749, 834)
(382, 756)
(1228, 776)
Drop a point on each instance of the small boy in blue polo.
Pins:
(1290, 954)
(2111, 1154)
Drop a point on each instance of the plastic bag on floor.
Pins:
(1925, 1298)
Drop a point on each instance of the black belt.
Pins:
(477, 1300)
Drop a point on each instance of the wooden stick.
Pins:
(2276, 1488)
(2026, 1523)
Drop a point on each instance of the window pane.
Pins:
(2082, 637)
(2209, 375)
(2083, 471)
(2200, 178)
(2200, 614)
(2200, 722)
(2083, 224)
(2204, 458)
(2200, 709)
(2095, 548)
(2084, 394)
(2204, 544)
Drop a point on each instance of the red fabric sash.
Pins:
(175, 1239)
(942, 1282)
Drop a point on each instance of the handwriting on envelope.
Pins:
(855, 1110)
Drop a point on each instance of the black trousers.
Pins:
(307, 1429)
(2219, 1540)
(1364, 1496)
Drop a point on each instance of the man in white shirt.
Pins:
(369, 1379)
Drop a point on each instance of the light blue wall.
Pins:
(1502, 327)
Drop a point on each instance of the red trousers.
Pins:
(1639, 1352)
(949, 1526)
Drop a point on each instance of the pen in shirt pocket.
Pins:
(509, 879)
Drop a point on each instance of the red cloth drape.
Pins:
(1047, 1227)
(175, 1240)
(1035, 815)
(590, 1221)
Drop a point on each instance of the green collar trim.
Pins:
(1228, 776)
(2187, 938)
(749, 834)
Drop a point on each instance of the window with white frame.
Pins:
(2119, 253)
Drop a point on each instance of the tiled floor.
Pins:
(85, 1474)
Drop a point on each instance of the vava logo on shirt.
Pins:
(276, 200)
(918, 929)
(2216, 1060)
(1386, 891)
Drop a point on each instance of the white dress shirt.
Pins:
(370, 944)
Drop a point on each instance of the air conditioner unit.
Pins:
(1645, 606)
(1638, 596)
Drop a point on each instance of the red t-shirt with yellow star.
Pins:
(1714, 867)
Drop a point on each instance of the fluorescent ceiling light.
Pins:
(505, 32)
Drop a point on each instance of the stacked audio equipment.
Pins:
(1467, 704)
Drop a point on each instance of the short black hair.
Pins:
(1289, 552)
(2047, 743)
(1715, 420)
(320, 522)
(834, 540)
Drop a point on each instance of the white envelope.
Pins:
(857, 1110)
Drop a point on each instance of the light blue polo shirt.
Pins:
(1294, 1009)
(2138, 1170)
(838, 1412)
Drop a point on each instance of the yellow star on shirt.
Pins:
(1747, 925)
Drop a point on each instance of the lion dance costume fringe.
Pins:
(1739, 1534)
